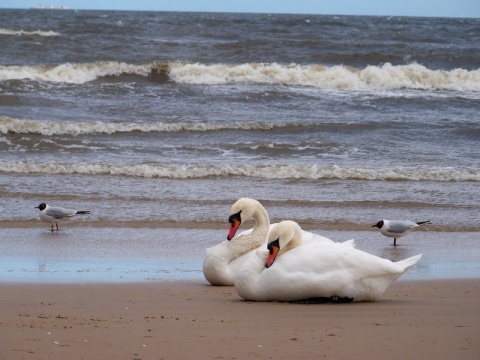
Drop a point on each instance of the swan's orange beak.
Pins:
(234, 224)
(273, 249)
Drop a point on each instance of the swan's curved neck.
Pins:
(245, 243)
(294, 242)
(262, 221)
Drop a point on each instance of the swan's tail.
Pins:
(405, 264)
(350, 242)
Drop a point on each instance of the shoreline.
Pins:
(316, 226)
(128, 254)
(191, 319)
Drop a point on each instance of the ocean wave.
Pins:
(23, 33)
(387, 76)
(17, 126)
(384, 77)
(72, 73)
(287, 172)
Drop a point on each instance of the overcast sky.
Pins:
(441, 8)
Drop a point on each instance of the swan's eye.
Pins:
(271, 245)
(233, 217)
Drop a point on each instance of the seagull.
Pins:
(54, 214)
(397, 228)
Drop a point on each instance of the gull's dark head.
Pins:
(378, 224)
(42, 206)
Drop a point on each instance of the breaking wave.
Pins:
(387, 76)
(299, 172)
(71, 73)
(23, 33)
(16, 126)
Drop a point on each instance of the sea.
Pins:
(157, 122)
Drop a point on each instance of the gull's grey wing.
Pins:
(60, 213)
(399, 227)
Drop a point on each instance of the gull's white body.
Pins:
(223, 261)
(317, 270)
(56, 214)
(397, 228)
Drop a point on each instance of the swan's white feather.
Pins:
(318, 269)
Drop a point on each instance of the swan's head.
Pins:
(242, 210)
(285, 236)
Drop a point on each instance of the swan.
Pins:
(323, 271)
(223, 261)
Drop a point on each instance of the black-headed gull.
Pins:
(55, 214)
(397, 228)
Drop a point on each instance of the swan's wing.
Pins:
(314, 257)
(305, 272)
(308, 236)
(334, 260)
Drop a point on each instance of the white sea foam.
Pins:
(23, 32)
(384, 77)
(71, 73)
(18, 126)
(300, 172)
(387, 76)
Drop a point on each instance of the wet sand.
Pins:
(434, 319)
(91, 254)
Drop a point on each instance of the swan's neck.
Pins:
(292, 244)
(262, 222)
(240, 245)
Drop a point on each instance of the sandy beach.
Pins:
(436, 319)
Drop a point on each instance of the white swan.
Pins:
(325, 271)
(223, 261)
